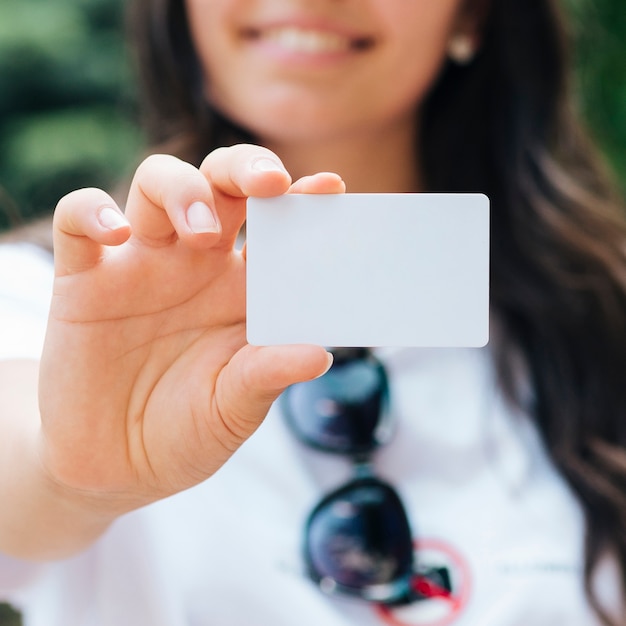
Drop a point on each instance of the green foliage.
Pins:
(9, 616)
(67, 115)
(66, 101)
(599, 32)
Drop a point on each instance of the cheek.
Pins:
(208, 21)
(416, 45)
(414, 76)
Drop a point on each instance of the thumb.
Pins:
(253, 379)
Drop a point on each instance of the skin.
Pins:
(146, 383)
(321, 109)
(161, 387)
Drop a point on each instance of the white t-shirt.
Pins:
(483, 498)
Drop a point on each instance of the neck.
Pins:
(373, 162)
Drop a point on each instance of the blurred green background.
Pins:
(67, 103)
(67, 114)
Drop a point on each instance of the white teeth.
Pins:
(305, 40)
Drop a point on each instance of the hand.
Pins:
(147, 384)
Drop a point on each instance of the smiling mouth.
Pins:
(308, 40)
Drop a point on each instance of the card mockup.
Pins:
(348, 270)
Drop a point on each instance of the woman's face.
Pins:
(313, 69)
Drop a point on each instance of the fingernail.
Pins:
(267, 165)
(111, 218)
(331, 360)
(201, 219)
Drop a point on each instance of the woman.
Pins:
(510, 460)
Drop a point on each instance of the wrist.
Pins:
(45, 519)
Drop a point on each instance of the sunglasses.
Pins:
(357, 540)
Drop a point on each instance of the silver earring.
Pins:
(461, 49)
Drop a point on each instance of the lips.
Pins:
(307, 40)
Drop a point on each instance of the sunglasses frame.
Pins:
(396, 591)
(399, 590)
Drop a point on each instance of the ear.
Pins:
(466, 35)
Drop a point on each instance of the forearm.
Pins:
(39, 518)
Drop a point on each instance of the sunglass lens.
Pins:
(344, 411)
(358, 539)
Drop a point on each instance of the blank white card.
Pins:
(368, 270)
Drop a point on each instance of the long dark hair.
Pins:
(503, 125)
